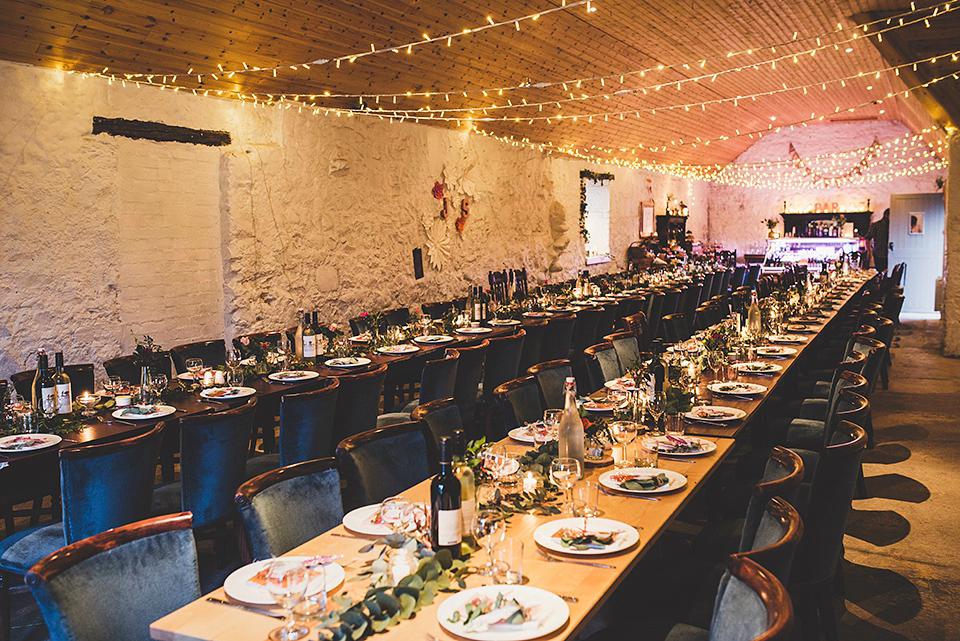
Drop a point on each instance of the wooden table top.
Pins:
(204, 620)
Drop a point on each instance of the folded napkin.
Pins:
(496, 621)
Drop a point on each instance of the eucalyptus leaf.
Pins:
(407, 605)
(413, 580)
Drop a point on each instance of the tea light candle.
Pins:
(402, 563)
(87, 401)
(530, 483)
(208, 378)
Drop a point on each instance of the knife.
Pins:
(265, 613)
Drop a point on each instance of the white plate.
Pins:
(361, 338)
(433, 339)
(474, 330)
(743, 389)
(162, 410)
(188, 376)
(398, 349)
(758, 367)
(347, 362)
(737, 414)
(504, 322)
(360, 521)
(39, 441)
(787, 338)
(537, 314)
(623, 384)
(664, 446)
(293, 376)
(248, 361)
(524, 433)
(775, 351)
(237, 586)
(219, 393)
(562, 310)
(550, 610)
(800, 328)
(677, 480)
(628, 536)
(598, 406)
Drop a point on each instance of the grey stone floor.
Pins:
(902, 570)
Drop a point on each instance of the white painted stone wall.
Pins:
(736, 214)
(105, 238)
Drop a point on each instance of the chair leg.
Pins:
(828, 617)
(4, 606)
(861, 491)
(806, 608)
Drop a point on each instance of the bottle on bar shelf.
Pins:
(468, 484)
(62, 383)
(446, 521)
(309, 340)
(44, 390)
(571, 427)
(298, 336)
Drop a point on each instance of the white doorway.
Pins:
(916, 238)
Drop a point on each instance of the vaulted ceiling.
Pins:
(682, 97)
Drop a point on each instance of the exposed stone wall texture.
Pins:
(105, 238)
(736, 213)
(950, 314)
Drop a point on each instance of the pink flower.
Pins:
(364, 315)
(245, 341)
(333, 327)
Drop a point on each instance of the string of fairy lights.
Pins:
(909, 155)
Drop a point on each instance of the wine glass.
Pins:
(233, 358)
(564, 472)
(551, 423)
(621, 405)
(287, 581)
(496, 460)
(159, 383)
(656, 406)
(112, 385)
(489, 528)
(194, 366)
(624, 433)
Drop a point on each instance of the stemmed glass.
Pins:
(624, 433)
(656, 406)
(551, 423)
(233, 362)
(194, 366)
(564, 472)
(111, 385)
(159, 383)
(287, 582)
(489, 529)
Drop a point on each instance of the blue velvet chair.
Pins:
(441, 416)
(503, 362)
(128, 370)
(628, 350)
(102, 486)
(638, 326)
(584, 335)
(466, 389)
(213, 456)
(824, 504)
(551, 377)
(287, 507)
(306, 428)
(438, 380)
(557, 338)
(213, 354)
(602, 365)
(358, 402)
(815, 426)
(113, 585)
(273, 339)
(383, 462)
(607, 322)
(519, 402)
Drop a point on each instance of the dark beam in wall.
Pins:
(143, 130)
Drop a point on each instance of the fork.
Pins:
(553, 559)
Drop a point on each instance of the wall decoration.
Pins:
(595, 177)
(916, 223)
(646, 218)
(438, 241)
(461, 221)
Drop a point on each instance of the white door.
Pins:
(916, 238)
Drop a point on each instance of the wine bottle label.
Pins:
(448, 527)
(48, 398)
(309, 346)
(64, 402)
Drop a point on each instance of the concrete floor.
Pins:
(902, 569)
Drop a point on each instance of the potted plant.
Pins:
(771, 224)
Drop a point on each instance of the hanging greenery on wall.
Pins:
(595, 177)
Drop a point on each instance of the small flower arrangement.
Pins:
(148, 354)
(717, 338)
(331, 331)
(771, 223)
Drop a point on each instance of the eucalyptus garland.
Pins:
(595, 177)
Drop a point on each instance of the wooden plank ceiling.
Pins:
(620, 36)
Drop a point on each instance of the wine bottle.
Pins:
(468, 484)
(62, 382)
(44, 389)
(571, 427)
(446, 522)
(309, 340)
(298, 336)
(477, 306)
